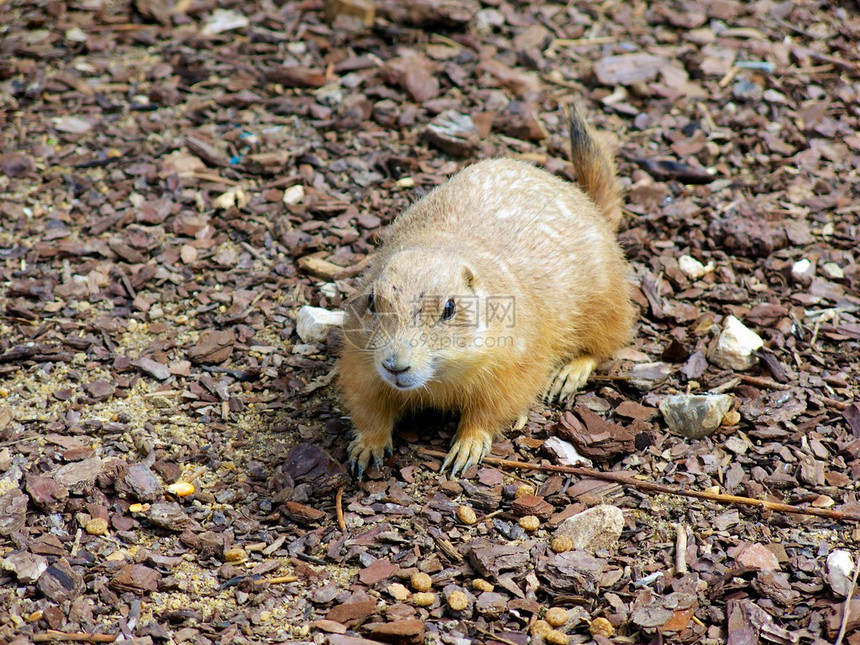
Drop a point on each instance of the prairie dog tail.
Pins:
(594, 169)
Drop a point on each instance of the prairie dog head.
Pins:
(422, 316)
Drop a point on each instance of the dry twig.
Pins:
(79, 637)
(338, 507)
(650, 487)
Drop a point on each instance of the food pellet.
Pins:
(529, 523)
(601, 627)
(458, 601)
(556, 637)
(479, 584)
(731, 418)
(420, 581)
(561, 543)
(525, 489)
(97, 526)
(540, 628)
(423, 598)
(556, 616)
(235, 555)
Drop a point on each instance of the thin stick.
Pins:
(680, 548)
(210, 176)
(276, 580)
(600, 40)
(495, 637)
(847, 610)
(764, 382)
(338, 507)
(651, 487)
(80, 637)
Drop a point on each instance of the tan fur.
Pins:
(500, 231)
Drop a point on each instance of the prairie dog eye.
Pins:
(371, 303)
(449, 310)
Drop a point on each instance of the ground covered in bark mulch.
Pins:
(178, 178)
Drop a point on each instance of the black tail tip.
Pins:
(580, 136)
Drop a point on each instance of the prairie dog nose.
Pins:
(394, 365)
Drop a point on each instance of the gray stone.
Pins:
(695, 415)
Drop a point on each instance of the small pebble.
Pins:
(802, 272)
(458, 601)
(525, 489)
(466, 515)
(601, 627)
(294, 194)
(36, 616)
(235, 554)
(556, 616)
(540, 628)
(692, 268)
(832, 271)
(420, 581)
(561, 543)
(555, 637)
(529, 523)
(97, 526)
(423, 598)
(479, 584)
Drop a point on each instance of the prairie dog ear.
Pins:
(469, 277)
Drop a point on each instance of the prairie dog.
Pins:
(503, 283)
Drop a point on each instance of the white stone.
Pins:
(802, 271)
(235, 197)
(695, 415)
(692, 268)
(294, 194)
(733, 348)
(840, 567)
(566, 452)
(328, 289)
(76, 35)
(832, 271)
(313, 323)
(223, 20)
(595, 528)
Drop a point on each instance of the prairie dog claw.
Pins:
(362, 451)
(569, 378)
(467, 452)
